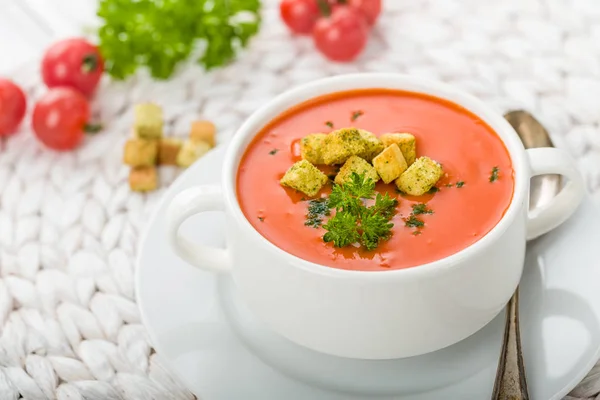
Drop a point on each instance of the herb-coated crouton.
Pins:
(140, 152)
(406, 142)
(390, 163)
(203, 131)
(190, 152)
(312, 146)
(358, 165)
(168, 149)
(143, 179)
(148, 122)
(373, 145)
(420, 177)
(305, 178)
(341, 144)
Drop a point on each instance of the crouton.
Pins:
(358, 165)
(143, 179)
(203, 131)
(312, 146)
(420, 177)
(341, 144)
(405, 141)
(373, 146)
(191, 151)
(168, 149)
(304, 177)
(148, 122)
(140, 152)
(390, 163)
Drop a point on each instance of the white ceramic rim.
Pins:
(253, 125)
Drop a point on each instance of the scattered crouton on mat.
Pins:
(143, 179)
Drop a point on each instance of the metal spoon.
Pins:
(510, 377)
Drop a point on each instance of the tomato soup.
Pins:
(471, 197)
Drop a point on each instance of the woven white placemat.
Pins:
(69, 225)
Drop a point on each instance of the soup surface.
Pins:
(462, 213)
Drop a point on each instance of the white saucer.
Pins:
(221, 352)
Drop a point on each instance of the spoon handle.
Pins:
(510, 377)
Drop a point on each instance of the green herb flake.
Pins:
(356, 114)
(433, 190)
(261, 219)
(317, 210)
(421, 209)
(414, 222)
(460, 184)
(273, 152)
(494, 175)
(329, 124)
(417, 232)
(448, 185)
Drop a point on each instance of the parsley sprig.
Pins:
(160, 35)
(353, 221)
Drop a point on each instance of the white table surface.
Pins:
(27, 27)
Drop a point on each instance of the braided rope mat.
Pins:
(69, 225)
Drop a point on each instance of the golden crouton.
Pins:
(143, 179)
(420, 177)
(358, 165)
(140, 152)
(203, 131)
(191, 151)
(341, 144)
(373, 145)
(405, 141)
(390, 163)
(304, 177)
(312, 146)
(168, 149)
(148, 122)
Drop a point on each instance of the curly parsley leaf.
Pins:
(375, 228)
(160, 35)
(342, 200)
(354, 221)
(360, 187)
(342, 229)
(384, 205)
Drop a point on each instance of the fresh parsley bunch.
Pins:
(353, 221)
(159, 34)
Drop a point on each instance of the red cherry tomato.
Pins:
(299, 15)
(60, 118)
(369, 8)
(74, 63)
(341, 36)
(12, 106)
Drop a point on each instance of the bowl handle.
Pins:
(185, 204)
(547, 160)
